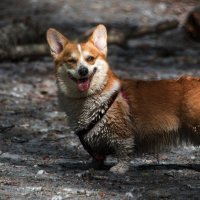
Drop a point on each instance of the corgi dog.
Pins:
(119, 117)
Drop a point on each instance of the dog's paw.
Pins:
(120, 168)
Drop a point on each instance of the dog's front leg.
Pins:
(124, 151)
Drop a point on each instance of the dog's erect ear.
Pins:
(99, 38)
(56, 41)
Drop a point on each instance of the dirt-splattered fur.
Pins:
(145, 116)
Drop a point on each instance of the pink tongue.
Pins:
(82, 86)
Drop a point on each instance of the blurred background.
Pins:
(140, 32)
(40, 158)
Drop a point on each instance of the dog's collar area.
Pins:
(124, 95)
(99, 116)
(105, 107)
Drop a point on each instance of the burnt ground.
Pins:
(40, 158)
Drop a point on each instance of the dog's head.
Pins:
(81, 68)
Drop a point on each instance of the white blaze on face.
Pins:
(82, 61)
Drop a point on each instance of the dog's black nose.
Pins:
(83, 71)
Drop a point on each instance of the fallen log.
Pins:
(17, 40)
(20, 51)
(157, 28)
(29, 33)
(20, 33)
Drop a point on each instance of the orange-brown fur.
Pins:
(164, 112)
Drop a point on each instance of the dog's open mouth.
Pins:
(83, 83)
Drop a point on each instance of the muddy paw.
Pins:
(120, 168)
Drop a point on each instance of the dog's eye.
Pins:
(72, 61)
(90, 59)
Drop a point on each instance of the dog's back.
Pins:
(165, 112)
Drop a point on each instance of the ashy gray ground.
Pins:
(40, 158)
